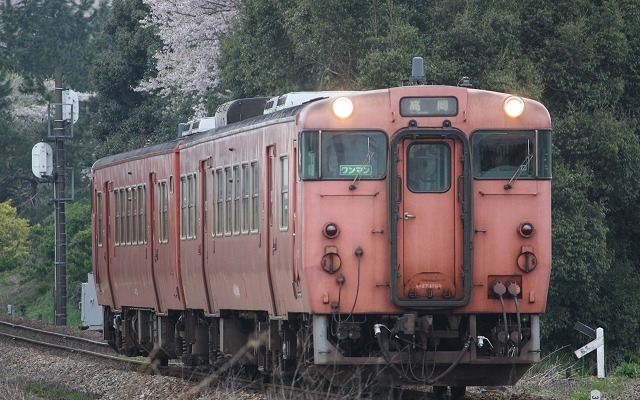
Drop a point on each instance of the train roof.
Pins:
(171, 145)
(219, 131)
(136, 153)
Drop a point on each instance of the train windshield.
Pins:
(344, 155)
(509, 154)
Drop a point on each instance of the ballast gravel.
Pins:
(24, 368)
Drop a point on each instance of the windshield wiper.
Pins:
(523, 167)
(367, 161)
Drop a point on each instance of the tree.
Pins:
(279, 46)
(190, 32)
(14, 232)
(248, 65)
(126, 118)
(40, 265)
(78, 217)
(22, 116)
(40, 35)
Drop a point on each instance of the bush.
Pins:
(628, 370)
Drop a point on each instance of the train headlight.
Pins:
(342, 107)
(513, 106)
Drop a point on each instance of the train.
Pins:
(401, 235)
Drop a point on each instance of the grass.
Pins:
(49, 391)
(561, 376)
(36, 297)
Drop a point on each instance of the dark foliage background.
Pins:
(579, 57)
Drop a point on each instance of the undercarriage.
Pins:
(413, 348)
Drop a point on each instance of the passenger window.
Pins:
(100, 217)
(188, 206)
(163, 212)
(255, 205)
(219, 202)
(245, 198)
(236, 199)
(228, 192)
(284, 192)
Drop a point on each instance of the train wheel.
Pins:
(439, 391)
(458, 392)
(162, 361)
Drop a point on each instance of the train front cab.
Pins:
(469, 255)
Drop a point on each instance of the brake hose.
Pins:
(378, 334)
(385, 353)
(514, 290)
(500, 289)
(465, 348)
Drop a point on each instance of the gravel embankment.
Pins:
(22, 364)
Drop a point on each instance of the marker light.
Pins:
(330, 230)
(342, 107)
(513, 106)
(526, 229)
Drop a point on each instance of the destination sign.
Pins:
(428, 106)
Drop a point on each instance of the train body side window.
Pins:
(236, 199)
(99, 212)
(122, 197)
(183, 207)
(128, 207)
(163, 212)
(142, 214)
(219, 202)
(134, 215)
(193, 220)
(255, 205)
(214, 202)
(284, 192)
(228, 205)
(245, 198)
(116, 202)
(188, 206)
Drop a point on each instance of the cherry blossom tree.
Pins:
(190, 31)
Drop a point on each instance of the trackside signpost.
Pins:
(596, 344)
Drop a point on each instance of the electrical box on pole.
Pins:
(70, 106)
(42, 160)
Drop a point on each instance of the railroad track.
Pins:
(54, 339)
(202, 377)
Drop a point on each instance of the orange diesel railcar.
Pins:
(390, 232)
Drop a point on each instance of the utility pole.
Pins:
(59, 199)
(48, 163)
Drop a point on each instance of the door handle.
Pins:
(408, 216)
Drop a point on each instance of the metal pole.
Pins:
(600, 353)
(60, 297)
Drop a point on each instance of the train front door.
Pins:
(429, 248)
